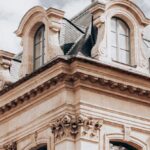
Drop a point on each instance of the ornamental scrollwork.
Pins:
(75, 125)
(10, 146)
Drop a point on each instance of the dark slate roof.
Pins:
(85, 43)
(69, 34)
(78, 35)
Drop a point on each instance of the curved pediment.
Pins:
(130, 6)
(28, 17)
(34, 12)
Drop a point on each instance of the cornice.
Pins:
(70, 60)
(6, 55)
(109, 86)
(10, 146)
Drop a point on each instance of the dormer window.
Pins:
(39, 31)
(39, 47)
(120, 41)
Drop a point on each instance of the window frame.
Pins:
(118, 48)
(42, 42)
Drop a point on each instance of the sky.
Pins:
(12, 11)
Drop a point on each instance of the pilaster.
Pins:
(55, 22)
(99, 49)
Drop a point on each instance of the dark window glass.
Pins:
(121, 146)
(40, 147)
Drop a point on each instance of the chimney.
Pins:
(5, 64)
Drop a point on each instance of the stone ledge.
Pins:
(110, 86)
(70, 60)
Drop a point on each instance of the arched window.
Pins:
(120, 41)
(121, 146)
(40, 147)
(39, 46)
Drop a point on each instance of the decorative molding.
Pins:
(74, 126)
(99, 49)
(10, 146)
(34, 137)
(108, 85)
(132, 7)
(70, 60)
(127, 133)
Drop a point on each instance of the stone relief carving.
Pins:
(99, 50)
(11, 146)
(73, 126)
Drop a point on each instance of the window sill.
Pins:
(121, 63)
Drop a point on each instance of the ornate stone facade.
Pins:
(5, 64)
(76, 102)
(11, 146)
(51, 19)
(75, 125)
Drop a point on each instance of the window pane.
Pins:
(113, 24)
(38, 50)
(38, 37)
(114, 54)
(122, 28)
(38, 62)
(39, 46)
(120, 41)
(124, 56)
(113, 39)
(123, 42)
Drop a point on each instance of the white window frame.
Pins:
(40, 43)
(117, 46)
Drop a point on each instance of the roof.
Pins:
(77, 37)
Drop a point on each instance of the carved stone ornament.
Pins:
(127, 133)
(99, 49)
(71, 126)
(10, 146)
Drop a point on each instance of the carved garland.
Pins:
(70, 80)
(71, 126)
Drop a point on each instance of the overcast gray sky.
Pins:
(11, 12)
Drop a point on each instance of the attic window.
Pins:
(120, 41)
(39, 47)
